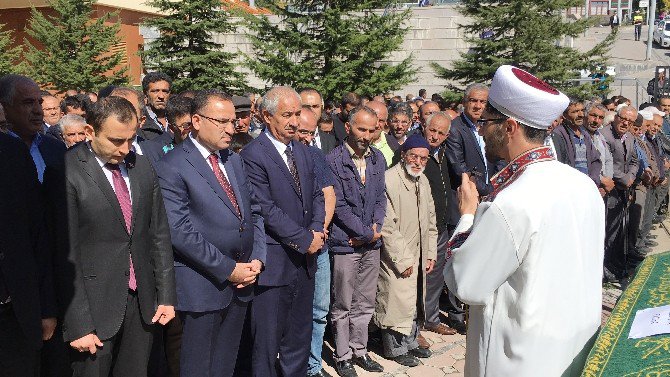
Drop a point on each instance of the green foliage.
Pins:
(10, 58)
(186, 50)
(525, 34)
(334, 46)
(73, 51)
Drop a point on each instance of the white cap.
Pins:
(646, 114)
(654, 111)
(522, 96)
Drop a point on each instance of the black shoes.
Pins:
(421, 353)
(321, 373)
(368, 364)
(457, 325)
(345, 369)
(406, 360)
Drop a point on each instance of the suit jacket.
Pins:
(465, 156)
(446, 203)
(392, 142)
(328, 142)
(289, 217)
(25, 250)
(565, 151)
(55, 132)
(150, 129)
(207, 236)
(94, 245)
(624, 156)
(358, 205)
(157, 147)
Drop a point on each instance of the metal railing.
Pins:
(618, 83)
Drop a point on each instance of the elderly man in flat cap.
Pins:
(409, 250)
(528, 259)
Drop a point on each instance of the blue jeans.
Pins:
(319, 309)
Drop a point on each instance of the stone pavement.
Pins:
(449, 351)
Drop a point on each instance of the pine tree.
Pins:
(10, 58)
(73, 50)
(335, 46)
(525, 33)
(186, 50)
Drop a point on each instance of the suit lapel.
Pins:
(203, 168)
(134, 178)
(274, 155)
(473, 139)
(301, 165)
(92, 168)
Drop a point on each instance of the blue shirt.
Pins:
(35, 154)
(324, 176)
(480, 141)
(581, 162)
(644, 161)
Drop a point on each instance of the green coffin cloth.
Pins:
(613, 354)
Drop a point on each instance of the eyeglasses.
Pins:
(413, 157)
(218, 122)
(185, 126)
(50, 109)
(626, 120)
(484, 121)
(396, 121)
(305, 132)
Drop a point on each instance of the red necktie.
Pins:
(223, 181)
(123, 196)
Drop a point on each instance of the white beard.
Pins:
(408, 169)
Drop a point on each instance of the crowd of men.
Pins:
(203, 234)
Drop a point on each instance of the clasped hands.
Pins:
(245, 274)
(376, 236)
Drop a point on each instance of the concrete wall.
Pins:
(433, 35)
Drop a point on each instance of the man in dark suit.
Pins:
(178, 111)
(574, 145)
(26, 121)
(625, 162)
(156, 87)
(114, 264)
(464, 150)
(281, 173)
(217, 235)
(312, 99)
(27, 302)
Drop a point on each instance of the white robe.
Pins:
(531, 272)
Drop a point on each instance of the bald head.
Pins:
(382, 115)
(427, 109)
(307, 122)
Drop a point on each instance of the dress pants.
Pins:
(638, 31)
(126, 354)
(17, 358)
(396, 344)
(614, 232)
(281, 324)
(635, 215)
(210, 341)
(435, 281)
(164, 358)
(454, 306)
(54, 355)
(355, 278)
(319, 310)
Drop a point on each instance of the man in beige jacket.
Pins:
(409, 249)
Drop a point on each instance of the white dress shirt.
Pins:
(205, 154)
(281, 147)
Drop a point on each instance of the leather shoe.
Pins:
(368, 364)
(321, 373)
(406, 360)
(421, 353)
(345, 369)
(441, 329)
(423, 343)
(651, 243)
(458, 326)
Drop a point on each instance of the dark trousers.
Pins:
(638, 31)
(281, 324)
(17, 358)
(615, 258)
(210, 341)
(126, 354)
(54, 356)
(164, 359)
(435, 282)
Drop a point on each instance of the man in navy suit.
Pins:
(217, 235)
(281, 173)
(178, 112)
(465, 154)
